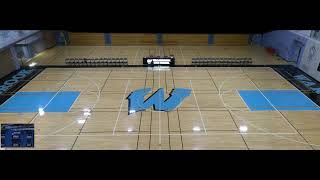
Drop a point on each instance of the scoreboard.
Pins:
(159, 61)
(17, 135)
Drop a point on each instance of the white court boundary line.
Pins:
(179, 134)
(204, 127)
(10, 98)
(233, 133)
(271, 103)
(184, 60)
(98, 134)
(135, 58)
(91, 108)
(230, 108)
(64, 84)
(18, 92)
(237, 91)
(124, 96)
(81, 92)
(208, 134)
(159, 111)
(279, 136)
(94, 104)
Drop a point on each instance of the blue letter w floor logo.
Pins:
(137, 102)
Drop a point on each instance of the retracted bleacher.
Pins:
(96, 62)
(221, 61)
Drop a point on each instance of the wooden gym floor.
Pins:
(212, 117)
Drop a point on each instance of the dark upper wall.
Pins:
(7, 65)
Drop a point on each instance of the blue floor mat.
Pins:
(291, 100)
(24, 102)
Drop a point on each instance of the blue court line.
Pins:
(25, 102)
(268, 100)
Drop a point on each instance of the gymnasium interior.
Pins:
(65, 90)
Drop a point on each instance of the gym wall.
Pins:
(133, 39)
(7, 65)
(86, 39)
(100, 39)
(231, 39)
(185, 39)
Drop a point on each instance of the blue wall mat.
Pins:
(107, 38)
(286, 43)
(210, 39)
(255, 100)
(290, 100)
(32, 101)
(62, 38)
(159, 39)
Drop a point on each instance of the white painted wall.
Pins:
(311, 59)
(303, 32)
